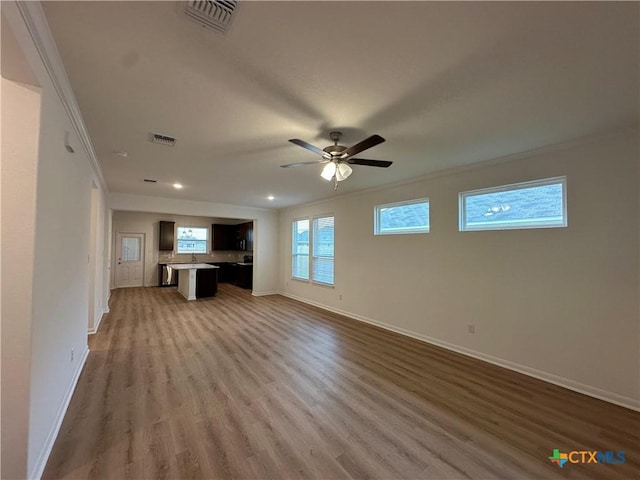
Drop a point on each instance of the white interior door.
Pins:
(130, 260)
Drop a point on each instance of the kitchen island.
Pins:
(197, 280)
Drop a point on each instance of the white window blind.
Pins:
(192, 239)
(300, 247)
(323, 248)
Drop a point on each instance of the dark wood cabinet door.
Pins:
(217, 237)
(232, 237)
(248, 237)
(225, 272)
(166, 236)
(244, 276)
(221, 237)
(241, 239)
(206, 282)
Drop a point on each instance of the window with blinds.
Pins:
(192, 239)
(322, 266)
(313, 249)
(300, 253)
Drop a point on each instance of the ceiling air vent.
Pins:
(212, 14)
(163, 139)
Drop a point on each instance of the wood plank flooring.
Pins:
(269, 388)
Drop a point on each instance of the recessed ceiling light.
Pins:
(271, 197)
(178, 186)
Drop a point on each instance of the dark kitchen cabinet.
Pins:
(233, 237)
(206, 282)
(226, 272)
(244, 276)
(166, 236)
(244, 237)
(223, 236)
(247, 235)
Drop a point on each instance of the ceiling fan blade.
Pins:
(300, 164)
(372, 141)
(369, 163)
(313, 148)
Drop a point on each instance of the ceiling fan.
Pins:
(338, 157)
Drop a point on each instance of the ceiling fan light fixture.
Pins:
(328, 171)
(343, 171)
(338, 157)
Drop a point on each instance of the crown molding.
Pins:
(36, 23)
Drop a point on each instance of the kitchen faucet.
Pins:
(193, 258)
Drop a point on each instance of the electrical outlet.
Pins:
(340, 296)
(72, 352)
(472, 328)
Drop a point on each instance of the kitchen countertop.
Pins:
(191, 266)
(178, 262)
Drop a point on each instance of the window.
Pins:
(322, 267)
(319, 240)
(192, 239)
(537, 204)
(300, 263)
(130, 249)
(402, 217)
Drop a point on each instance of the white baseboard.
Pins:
(94, 330)
(262, 294)
(41, 462)
(589, 390)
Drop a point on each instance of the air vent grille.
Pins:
(212, 14)
(163, 139)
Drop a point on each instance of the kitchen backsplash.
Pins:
(218, 256)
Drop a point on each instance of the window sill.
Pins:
(311, 282)
(301, 280)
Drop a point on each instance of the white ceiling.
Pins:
(447, 84)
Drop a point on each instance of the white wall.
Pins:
(20, 103)
(93, 225)
(61, 271)
(51, 267)
(561, 304)
(265, 230)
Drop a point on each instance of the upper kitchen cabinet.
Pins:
(247, 236)
(233, 237)
(223, 236)
(167, 236)
(244, 237)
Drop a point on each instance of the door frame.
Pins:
(116, 258)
